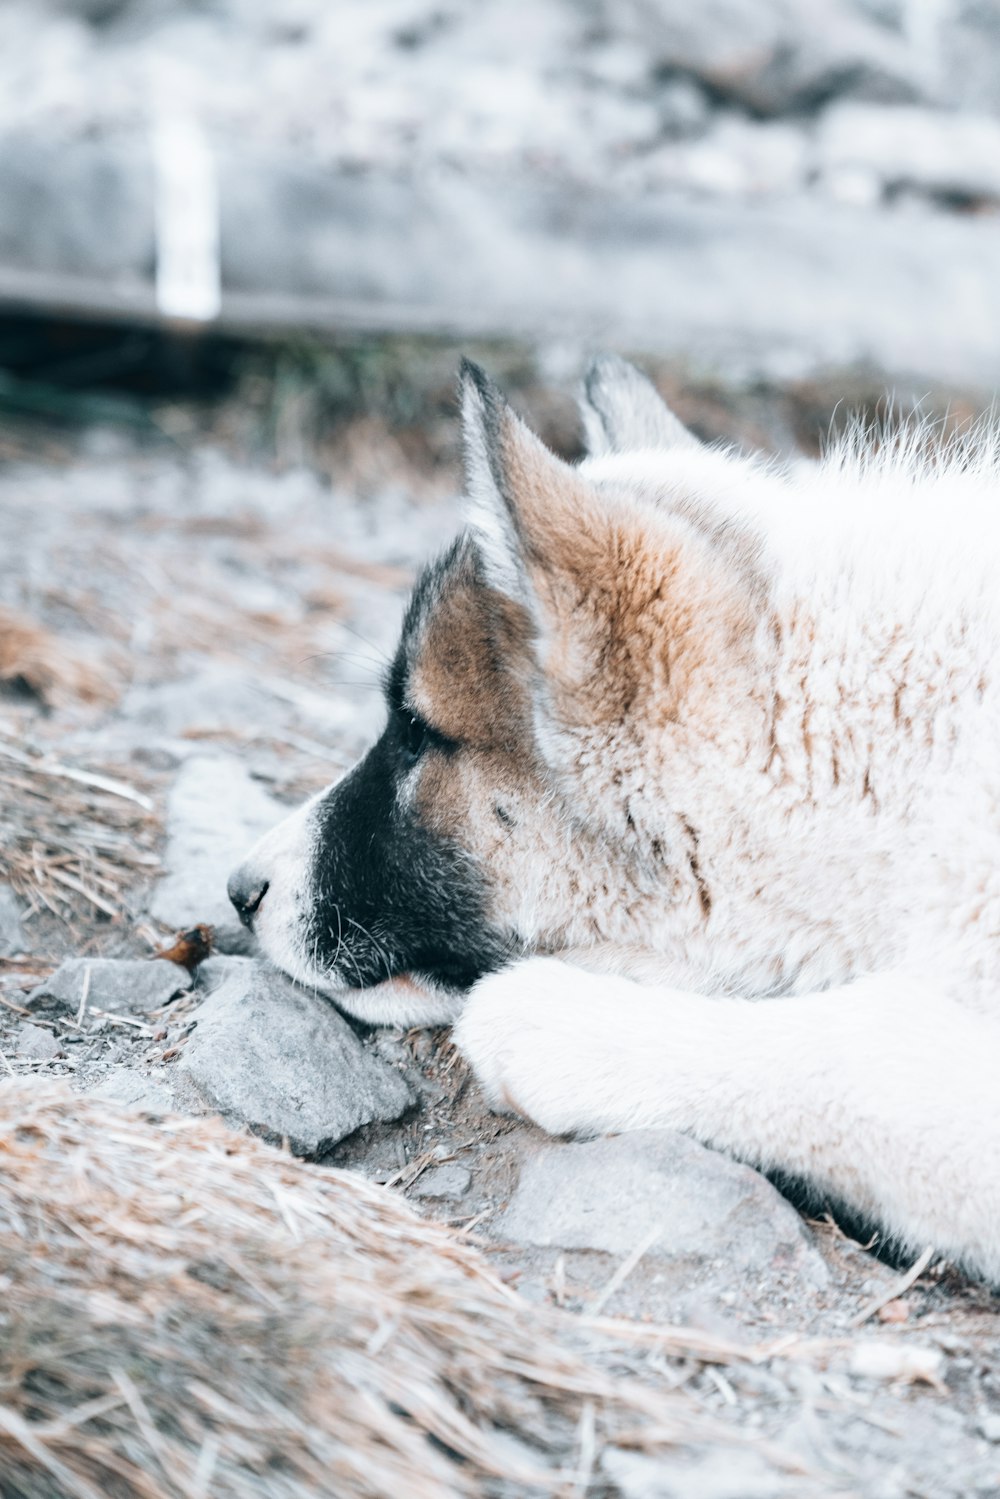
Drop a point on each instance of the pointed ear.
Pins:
(527, 509)
(622, 411)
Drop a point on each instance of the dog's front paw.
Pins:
(528, 1035)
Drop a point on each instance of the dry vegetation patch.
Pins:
(54, 671)
(185, 1311)
(72, 838)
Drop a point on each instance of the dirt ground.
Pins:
(201, 587)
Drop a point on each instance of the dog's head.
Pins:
(584, 614)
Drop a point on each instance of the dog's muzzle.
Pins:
(246, 890)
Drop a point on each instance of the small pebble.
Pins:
(442, 1182)
(37, 1044)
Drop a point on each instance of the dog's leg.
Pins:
(879, 1093)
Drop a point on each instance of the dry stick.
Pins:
(84, 996)
(625, 1270)
(92, 779)
(898, 1287)
(707, 1348)
(63, 878)
(113, 1019)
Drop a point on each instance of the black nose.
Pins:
(246, 891)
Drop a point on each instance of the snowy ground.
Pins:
(237, 613)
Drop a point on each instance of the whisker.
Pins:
(375, 943)
(367, 640)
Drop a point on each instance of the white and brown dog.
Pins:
(688, 807)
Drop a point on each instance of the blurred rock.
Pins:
(215, 812)
(988, 1425)
(934, 152)
(736, 156)
(774, 55)
(286, 1063)
(37, 1044)
(664, 1189)
(960, 42)
(683, 106)
(11, 929)
(137, 985)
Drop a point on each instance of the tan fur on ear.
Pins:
(640, 620)
(626, 602)
(467, 672)
(521, 497)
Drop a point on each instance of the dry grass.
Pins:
(72, 837)
(47, 666)
(185, 1311)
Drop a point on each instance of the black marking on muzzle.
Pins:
(388, 895)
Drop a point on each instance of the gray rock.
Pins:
(962, 49)
(134, 984)
(739, 157)
(37, 1044)
(285, 1062)
(442, 1182)
(11, 930)
(660, 1187)
(215, 970)
(135, 1090)
(215, 813)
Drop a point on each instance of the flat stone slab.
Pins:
(267, 1054)
(660, 1189)
(138, 985)
(215, 813)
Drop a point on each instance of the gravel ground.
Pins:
(230, 617)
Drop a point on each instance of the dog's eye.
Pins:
(416, 735)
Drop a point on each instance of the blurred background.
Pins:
(779, 203)
(243, 244)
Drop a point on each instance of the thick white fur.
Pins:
(881, 1093)
(847, 804)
